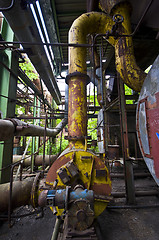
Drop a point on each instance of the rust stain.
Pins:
(51, 176)
(101, 189)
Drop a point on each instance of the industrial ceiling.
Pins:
(146, 44)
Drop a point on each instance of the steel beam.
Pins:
(25, 29)
(128, 167)
(8, 85)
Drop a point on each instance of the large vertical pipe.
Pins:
(77, 113)
(77, 79)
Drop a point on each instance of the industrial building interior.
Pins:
(79, 119)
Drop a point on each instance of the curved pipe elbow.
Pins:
(126, 65)
(88, 23)
(98, 22)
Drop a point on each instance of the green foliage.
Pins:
(148, 69)
(29, 69)
(128, 91)
(91, 98)
(19, 110)
(92, 128)
(92, 131)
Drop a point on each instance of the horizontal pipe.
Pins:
(21, 193)
(134, 206)
(136, 175)
(137, 193)
(38, 160)
(9, 128)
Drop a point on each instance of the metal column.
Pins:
(33, 138)
(129, 176)
(8, 84)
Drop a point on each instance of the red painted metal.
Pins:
(144, 100)
(153, 129)
(152, 124)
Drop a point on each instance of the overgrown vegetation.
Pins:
(29, 69)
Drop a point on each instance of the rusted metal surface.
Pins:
(126, 65)
(108, 5)
(148, 120)
(77, 107)
(68, 233)
(11, 127)
(21, 192)
(49, 159)
(51, 176)
(80, 216)
(34, 190)
(128, 167)
(100, 187)
(125, 61)
(89, 23)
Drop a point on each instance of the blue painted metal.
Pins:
(60, 195)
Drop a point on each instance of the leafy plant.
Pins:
(29, 69)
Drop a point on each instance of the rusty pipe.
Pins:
(11, 127)
(132, 75)
(88, 23)
(38, 160)
(125, 61)
(77, 79)
(21, 193)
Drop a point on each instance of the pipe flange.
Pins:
(14, 122)
(78, 74)
(34, 190)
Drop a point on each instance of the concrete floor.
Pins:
(121, 224)
(130, 224)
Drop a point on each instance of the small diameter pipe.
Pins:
(137, 194)
(136, 175)
(56, 228)
(22, 160)
(134, 206)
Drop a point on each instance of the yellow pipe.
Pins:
(125, 61)
(98, 22)
(88, 23)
